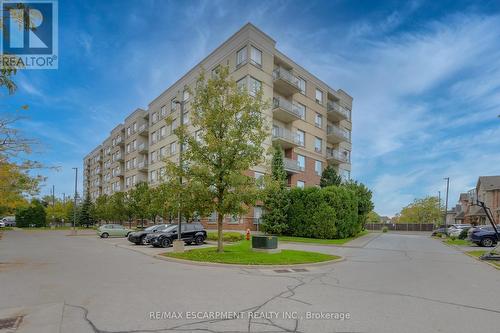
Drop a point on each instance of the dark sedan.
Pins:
(485, 236)
(139, 237)
(190, 233)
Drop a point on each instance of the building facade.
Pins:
(308, 119)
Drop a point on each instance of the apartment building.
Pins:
(308, 118)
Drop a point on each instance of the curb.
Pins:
(470, 255)
(217, 264)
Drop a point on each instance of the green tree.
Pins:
(119, 207)
(365, 203)
(373, 217)
(231, 130)
(34, 214)
(276, 200)
(330, 177)
(139, 201)
(85, 212)
(102, 209)
(423, 210)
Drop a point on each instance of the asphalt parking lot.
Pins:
(388, 283)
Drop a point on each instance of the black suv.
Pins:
(190, 233)
(139, 237)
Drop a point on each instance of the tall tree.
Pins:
(276, 199)
(364, 198)
(231, 130)
(422, 210)
(140, 201)
(330, 177)
(85, 214)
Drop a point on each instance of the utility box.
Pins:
(267, 244)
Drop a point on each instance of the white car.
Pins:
(2, 225)
(456, 229)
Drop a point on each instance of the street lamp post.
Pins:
(74, 207)
(178, 243)
(446, 203)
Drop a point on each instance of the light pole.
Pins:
(178, 243)
(76, 193)
(439, 201)
(446, 203)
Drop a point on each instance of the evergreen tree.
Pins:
(85, 214)
(330, 177)
(276, 201)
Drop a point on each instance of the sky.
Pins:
(424, 75)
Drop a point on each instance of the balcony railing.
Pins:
(286, 105)
(292, 165)
(286, 75)
(143, 128)
(142, 165)
(287, 135)
(341, 156)
(338, 132)
(143, 147)
(334, 107)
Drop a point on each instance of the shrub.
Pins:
(31, 215)
(226, 236)
(463, 234)
(453, 237)
(385, 229)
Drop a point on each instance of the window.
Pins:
(153, 175)
(301, 135)
(301, 110)
(128, 131)
(155, 117)
(163, 111)
(345, 174)
(185, 118)
(318, 145)
(134, 126)
(215, 71)
(301, 161)
(234, 219)
(185, 95)
(163, 151)
(256, 56)
(259, 179)
(319, 96)
(212, 218)
(153, 137)
(163, 132)
(128, 148)
(173, 104)
(302, 85)
(241, 56)
(174, 124)
(300, 184)
(242, 83)
(255, 86)
(257, 214)
(318, 167)
(154, 156)
(197, 136)
(318, 120)
(134, 145)
(173, 148)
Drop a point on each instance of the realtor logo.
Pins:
(29, 34)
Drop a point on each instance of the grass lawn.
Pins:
(56, 228)
(457, 241)
(241, 253)
(479, 253)
(319, 240)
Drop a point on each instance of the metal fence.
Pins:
(401, 226)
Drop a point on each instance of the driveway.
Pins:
(389, 283)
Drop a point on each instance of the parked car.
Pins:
(139, 237)
(440, 230)
(456, 229)
(484, 236)
(190, 233)
(2, 225)
(9, 221)
(113, 230)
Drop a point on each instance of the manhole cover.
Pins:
(282, 271)
(299, 270)
(10, 323)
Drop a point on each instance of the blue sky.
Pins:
(425, 77)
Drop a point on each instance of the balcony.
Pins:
(142, 148)
(292, 166)
(285, 82)
(336, 156)
(285, 111)
(335, 134)
(337, 112)
(118, 157)
(143, 166)
(118, 173)
(286, 138)
(143, 130)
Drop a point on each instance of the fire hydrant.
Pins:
(248, 234)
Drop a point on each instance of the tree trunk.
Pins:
(220, 246)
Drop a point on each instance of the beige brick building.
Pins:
(309, 119)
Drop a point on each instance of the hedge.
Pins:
(330, 212)
(31, 215)
(226, 236)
